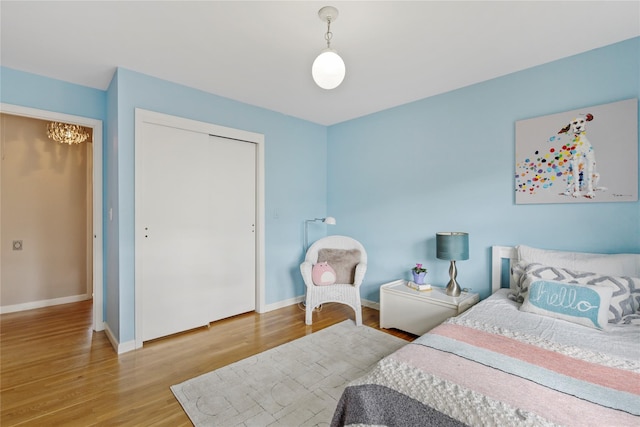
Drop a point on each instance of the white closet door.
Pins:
(197, 228)
(233, 166)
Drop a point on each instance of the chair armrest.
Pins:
(361, 268)
(305, 269)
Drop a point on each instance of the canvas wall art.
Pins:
(588, 155)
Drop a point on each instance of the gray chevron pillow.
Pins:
(625, 299)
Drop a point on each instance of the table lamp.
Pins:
(452, 246)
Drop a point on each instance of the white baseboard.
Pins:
(118, 347)
(371, 304)
(126, 347)
(281, 304)
(43, 303)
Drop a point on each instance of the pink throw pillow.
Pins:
(322, 274)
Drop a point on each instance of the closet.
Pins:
(195, 213)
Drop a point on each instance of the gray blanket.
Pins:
(371, 404)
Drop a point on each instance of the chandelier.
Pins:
(66, 133)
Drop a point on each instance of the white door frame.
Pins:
(96, 125)
(146, 116)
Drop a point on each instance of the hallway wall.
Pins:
(46, 204)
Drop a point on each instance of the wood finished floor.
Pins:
(55, 371)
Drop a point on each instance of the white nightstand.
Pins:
(419, 311)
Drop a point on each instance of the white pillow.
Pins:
(611, 264)
(580, 304)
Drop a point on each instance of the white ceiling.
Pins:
(261, 52)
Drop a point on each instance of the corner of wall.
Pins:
(117, 346)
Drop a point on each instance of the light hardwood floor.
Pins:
(55, 371)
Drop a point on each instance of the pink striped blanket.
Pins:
(466, 373)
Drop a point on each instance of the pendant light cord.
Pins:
(329, 34)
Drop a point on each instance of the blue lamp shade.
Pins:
(452, 246)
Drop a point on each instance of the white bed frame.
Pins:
(499, 253)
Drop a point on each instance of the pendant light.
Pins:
(328, 69)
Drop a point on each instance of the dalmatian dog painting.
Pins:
(556, 160)
(582, 159)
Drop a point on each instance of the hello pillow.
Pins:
(618, 265)
(625, 290)
(580, 304)
(322, 274)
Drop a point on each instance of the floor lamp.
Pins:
(328, 220)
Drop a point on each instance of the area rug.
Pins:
(296, 384)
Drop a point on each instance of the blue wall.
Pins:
(446, 163)
(110, 205)
(392, 179)
(33, 91)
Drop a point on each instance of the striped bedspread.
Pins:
(468, 373)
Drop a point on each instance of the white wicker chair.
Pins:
(345, 293)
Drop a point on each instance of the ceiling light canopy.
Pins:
(328, 69)
(66, 133)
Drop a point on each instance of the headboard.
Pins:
(498, 254)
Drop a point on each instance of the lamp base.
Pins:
(453, 288)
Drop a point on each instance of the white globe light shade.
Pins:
(328, 69)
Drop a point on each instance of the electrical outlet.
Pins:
(17, 245)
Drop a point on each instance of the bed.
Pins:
(507, 361)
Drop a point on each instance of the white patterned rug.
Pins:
(296, 384)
